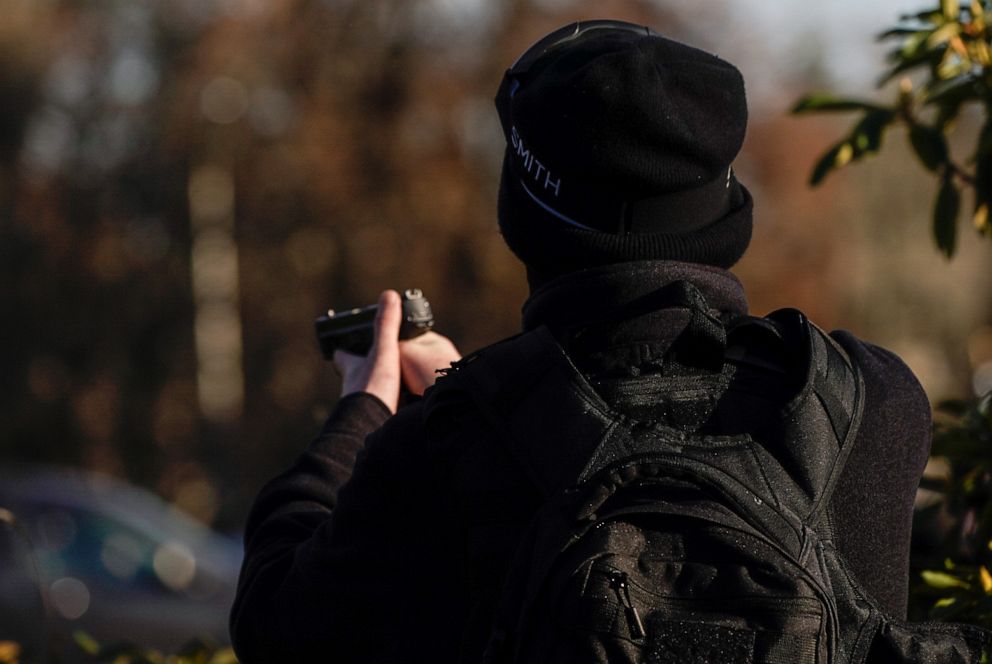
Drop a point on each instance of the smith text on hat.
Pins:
(532, 165)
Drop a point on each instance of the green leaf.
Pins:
(935, 484)
(983, 146)
(865, 138)
(945, 216)
(835, 157)
(942, 580)
(951, 65)
(949, 611)
(912, 46)
(900, 32)
(985, 139)
(960, 444)
(929, 144)
(951, 9)
(928, 16)
(225, 656)
(867, 134)
(905, 63)
(956, 407)
(950, 95)
(86, 642)
(943, 34)
(959, 88)
(983, 182)
(827, 102)
(981, 219)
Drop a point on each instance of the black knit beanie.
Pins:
(619, 148)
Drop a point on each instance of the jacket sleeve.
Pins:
(872, 507)
(288, 585)
(359, 568)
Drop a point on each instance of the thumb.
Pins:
(388, 318)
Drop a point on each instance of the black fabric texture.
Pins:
(727, 573)
(619, 147)
(401, 556)
(637, 114)
(551, 247)
(882, 475)
(684, 642)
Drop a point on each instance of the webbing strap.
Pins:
(840, 388)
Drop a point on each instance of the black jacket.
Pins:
(387, 540)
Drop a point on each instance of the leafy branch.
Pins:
(951, 46)
(962, 590)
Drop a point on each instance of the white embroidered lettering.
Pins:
(529, 161)
(523, 153)
(540, 167)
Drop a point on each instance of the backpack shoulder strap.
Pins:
(824, 418)
(529, 392)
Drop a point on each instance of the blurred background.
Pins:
(186, 184)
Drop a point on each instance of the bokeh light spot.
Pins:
(982, 380)
(51, 137)
(70, 597)
(198, 498)
(69, 79)
(224, 100)
(175, 565)
(271, 112)
(121, 555)
(215, 265)
(211, 194)
(133, 78)
(311, 251)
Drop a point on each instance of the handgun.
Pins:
(351, 331)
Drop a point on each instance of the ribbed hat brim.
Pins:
(551, 246)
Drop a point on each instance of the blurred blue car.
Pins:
(110, 559)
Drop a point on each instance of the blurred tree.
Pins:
(190, 183)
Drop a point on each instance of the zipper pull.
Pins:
(618, 580)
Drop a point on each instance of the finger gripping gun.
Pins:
(351, 331)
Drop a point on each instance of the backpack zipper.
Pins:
(618, 581)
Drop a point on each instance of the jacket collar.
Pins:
(589, 296)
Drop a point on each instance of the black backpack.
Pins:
(663, 547)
